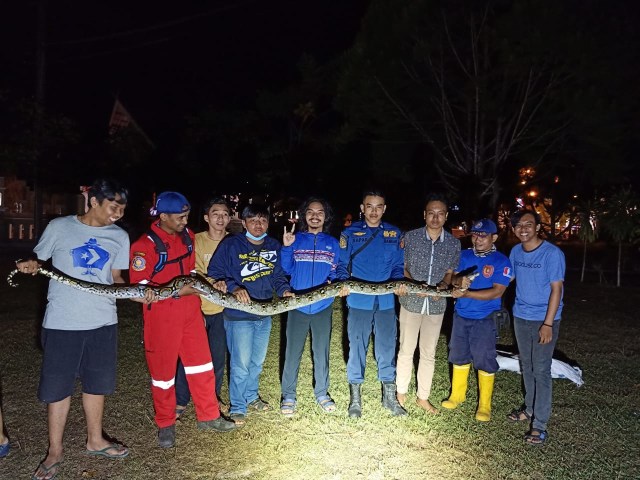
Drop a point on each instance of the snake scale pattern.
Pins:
(227, 300)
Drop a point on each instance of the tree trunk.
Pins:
(584, 261)
(619, 261)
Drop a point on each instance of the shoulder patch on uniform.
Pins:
(343, 241)
(506, 272)
(138, 263)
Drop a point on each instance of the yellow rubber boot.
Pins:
(485, 385)
(458, 386)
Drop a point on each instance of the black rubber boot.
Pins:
(355, 403)
(390, 401)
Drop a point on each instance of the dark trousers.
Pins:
(298, 325)
(218, 346)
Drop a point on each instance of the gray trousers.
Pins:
(535, 365)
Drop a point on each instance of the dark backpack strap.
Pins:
(161, 249)
(362, 247)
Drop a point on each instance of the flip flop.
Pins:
(4, 449)
(46, 470)
(124, 451)
(427, 406)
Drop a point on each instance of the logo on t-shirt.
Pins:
(89, 256)
(487, 271)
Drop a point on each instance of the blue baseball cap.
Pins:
(171, 202)
(484, 226)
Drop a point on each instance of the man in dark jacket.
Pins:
(248, 266)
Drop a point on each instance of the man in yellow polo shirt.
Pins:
(217, 215)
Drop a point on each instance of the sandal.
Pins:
(259, 405)
(179, 412)
(224, 407)
(238, 418)
(288, 407)
(518, 415)
(326, 403)
(536, 437)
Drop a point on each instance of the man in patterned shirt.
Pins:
(430, 255)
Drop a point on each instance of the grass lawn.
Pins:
(594, 430)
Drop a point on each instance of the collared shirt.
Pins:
(428, 261)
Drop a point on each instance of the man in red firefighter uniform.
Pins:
(174, 327)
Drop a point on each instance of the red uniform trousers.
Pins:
(172, 329)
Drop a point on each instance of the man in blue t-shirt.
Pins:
(539, 268)
(473, 337)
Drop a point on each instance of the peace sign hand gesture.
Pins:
(289, 237)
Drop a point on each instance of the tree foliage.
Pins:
(488, 86)
(621, 219)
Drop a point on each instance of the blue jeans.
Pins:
(218, 346)
(298, 325)
(535, 364)
(247, 341)
(360, 323)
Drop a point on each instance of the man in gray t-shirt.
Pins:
(430, 255)
(79, 334)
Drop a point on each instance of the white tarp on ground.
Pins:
(559, 369)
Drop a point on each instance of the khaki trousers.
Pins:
(412, 327)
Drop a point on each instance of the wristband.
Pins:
(547, 325)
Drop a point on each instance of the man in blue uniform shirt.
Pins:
(473, 335)
(371, 250)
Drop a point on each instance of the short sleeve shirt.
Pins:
(534, 272)
(428, 261)
(493, 268)
(86, 253)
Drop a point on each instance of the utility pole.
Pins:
(39, 114)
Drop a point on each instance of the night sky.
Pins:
(168, 59)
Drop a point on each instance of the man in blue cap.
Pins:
(473, 336)
(174, 327)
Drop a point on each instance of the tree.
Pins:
(489, 86)
(621, 219)
(588, 221)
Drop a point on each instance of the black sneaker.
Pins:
(220, 424)
(167, 437)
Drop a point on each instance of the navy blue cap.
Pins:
(484, 226)
(171, 202)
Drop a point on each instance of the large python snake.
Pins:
(227, 300)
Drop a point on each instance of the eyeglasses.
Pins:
(480, 234)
